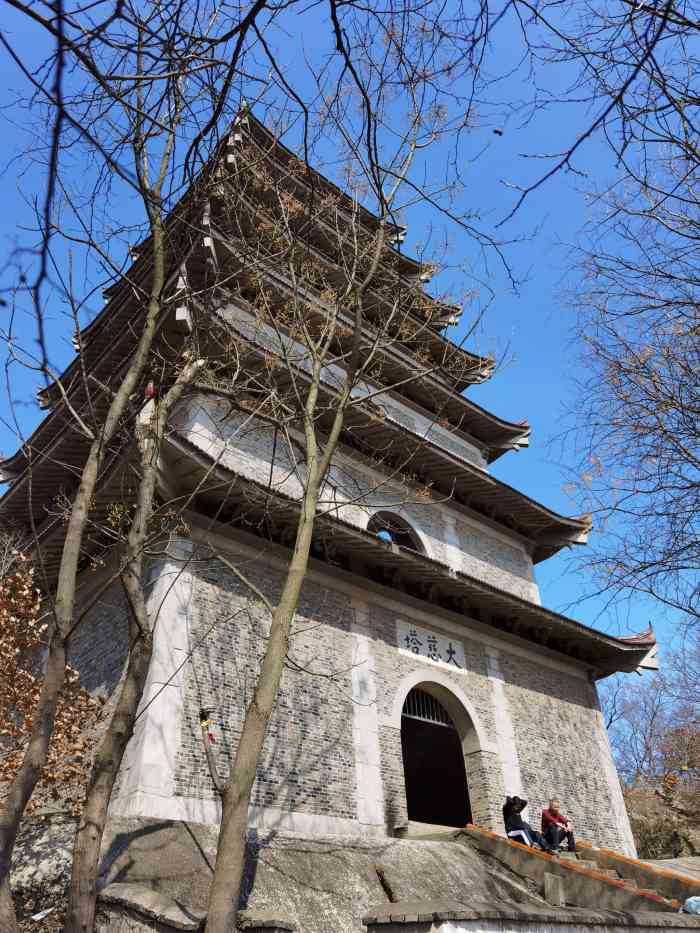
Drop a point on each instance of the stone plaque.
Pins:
(430, 646)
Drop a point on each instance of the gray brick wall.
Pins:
(246, 445)
(486, 792)
(308, 764)
(392, 667)
(392, 777)
(98, 647)
(484, 775)
(558, 733)
(308, 760)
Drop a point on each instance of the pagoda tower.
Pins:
(425, 680)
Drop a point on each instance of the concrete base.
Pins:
(554, 890)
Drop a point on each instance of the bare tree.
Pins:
(327, 329)
(156, 95)
(638, 437)
(655, 726)
(139, 120)
(655, 735)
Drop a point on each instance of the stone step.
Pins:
(415, 830)
(575, 857)
(609, 872)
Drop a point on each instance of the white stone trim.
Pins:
(365, 722)
(469, 629)
(512, 778)
(150, 760)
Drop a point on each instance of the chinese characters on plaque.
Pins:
(431, 646)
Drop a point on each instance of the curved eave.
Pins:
(436, 582)
(261, 136)
(477, 369)
(55, 441)
(50, 532)
(64, 451)
(496, 435)
(478, 490)
(493, 434)
(471, 486)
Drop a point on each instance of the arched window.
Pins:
(390, 527)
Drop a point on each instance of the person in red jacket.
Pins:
(555, 826)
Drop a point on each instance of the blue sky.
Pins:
(534, 325)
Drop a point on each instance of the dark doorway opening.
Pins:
(433, 763)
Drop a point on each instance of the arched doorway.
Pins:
(433, 762)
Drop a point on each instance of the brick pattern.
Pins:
(557, 729)
(425, 426)
(485, 783)
(392, 667)
(395, 810)
(99, 645)
(308, 760)
(395, 408)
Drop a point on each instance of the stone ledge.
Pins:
(154, 905)
(436, 911)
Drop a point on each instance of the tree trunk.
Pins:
(8, 919)
(230, 856)
(80, 916)
(25, 780)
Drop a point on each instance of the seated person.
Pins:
(516, 827)
(555, 826)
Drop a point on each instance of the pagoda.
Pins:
(425, 680)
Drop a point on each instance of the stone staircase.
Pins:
(579, 858)
(591, 878)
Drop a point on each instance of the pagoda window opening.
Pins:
(390, 527)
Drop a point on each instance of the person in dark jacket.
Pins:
(516, 827)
